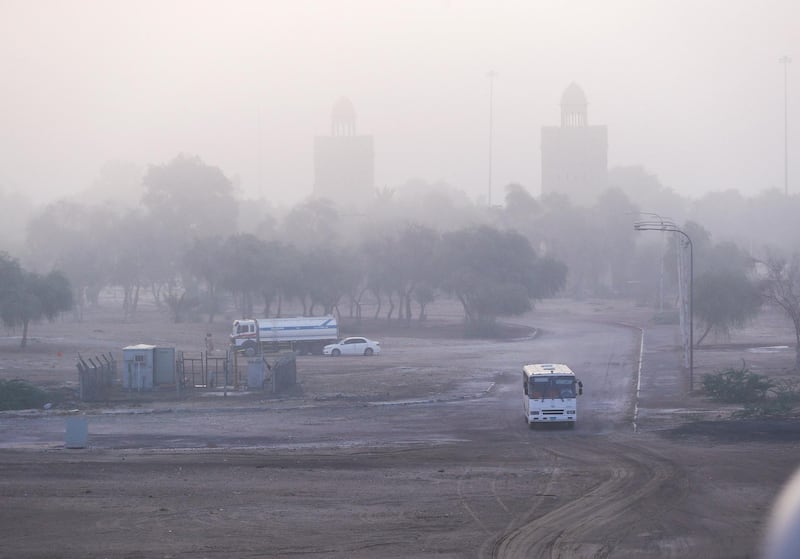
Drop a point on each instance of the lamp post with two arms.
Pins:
(661, 224)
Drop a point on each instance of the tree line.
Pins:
(490, 272)
(192, 243)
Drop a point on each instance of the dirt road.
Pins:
(422, 451)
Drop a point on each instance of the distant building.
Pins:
(575, 155)
(344, 162)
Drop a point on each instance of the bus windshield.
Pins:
(551, 386)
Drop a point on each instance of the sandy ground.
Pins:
(421, 451)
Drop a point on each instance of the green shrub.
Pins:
(770, 407)
(761, 396)
(18, 394)
(785, 394)
(738, 386)
(787, 390)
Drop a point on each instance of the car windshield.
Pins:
(552, 387)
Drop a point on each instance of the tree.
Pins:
(329, 274)
(180, 303)
(724, 212)
(277, 268)
(311, 223)
(245, 270)
(190, 199)
(118, 185)
(286, 272)
(521, 209)
(204, 260)
(782, 288)
(259, 217)
(725, 256)
(382, 269)
(772, 220)
(416, 257)
(438, 205)
(676, 254)
(613, 216)
(27, 297)
(423, 295)
(571, 234)
(134, 251)
(646, 191)
(74, 238)
(18, 210)
(10, 279)
(724, 296)
(723, 300)
(495, 273)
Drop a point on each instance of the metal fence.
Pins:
(195, 370)
(96, 377)
(203, 370)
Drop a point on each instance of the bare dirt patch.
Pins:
(421, 451)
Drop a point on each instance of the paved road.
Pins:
(455, 386)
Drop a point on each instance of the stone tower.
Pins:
(575, 155)
(344, 161)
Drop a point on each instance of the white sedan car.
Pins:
(352, 346)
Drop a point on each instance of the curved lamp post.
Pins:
(662, 220)
(662, 224)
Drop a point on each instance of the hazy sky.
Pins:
(691, 90)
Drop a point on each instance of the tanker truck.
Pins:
(303, 334)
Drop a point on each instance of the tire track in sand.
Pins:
(638, 486)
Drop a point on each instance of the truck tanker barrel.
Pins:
(304, 334)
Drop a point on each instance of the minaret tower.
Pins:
(343, 118)
(573, 107)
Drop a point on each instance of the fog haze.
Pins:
(693, 92)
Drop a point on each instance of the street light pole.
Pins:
(666, 225)
(785, 60)
(691, 308)
(491, 75)
(661, 262)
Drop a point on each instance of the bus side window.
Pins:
(524, 383)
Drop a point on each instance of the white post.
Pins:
(683, 299)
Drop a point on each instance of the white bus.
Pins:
(551, 394)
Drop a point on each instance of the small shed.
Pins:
(146, 366)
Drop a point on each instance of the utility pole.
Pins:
(491, 75)
(661, 260)
(260, 156)
(785, 60)
(686, 302)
